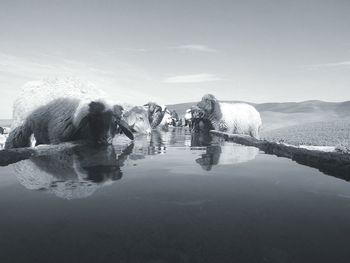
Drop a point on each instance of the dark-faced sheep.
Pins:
(239, 118)
(68, 119)
(155, 113)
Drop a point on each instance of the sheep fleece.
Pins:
(238, 118)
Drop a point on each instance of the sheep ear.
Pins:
(158, 109)
(125, 129)
(212, 104)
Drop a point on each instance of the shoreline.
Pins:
(332, 163)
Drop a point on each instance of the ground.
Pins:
(331, 133)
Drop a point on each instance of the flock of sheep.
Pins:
(55, 111)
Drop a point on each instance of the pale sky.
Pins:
(176, 51)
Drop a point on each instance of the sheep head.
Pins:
(155, 113)
(200, 120)
(137, 118)
(210, 105)
(99, 123)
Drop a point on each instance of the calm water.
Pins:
(170, 198)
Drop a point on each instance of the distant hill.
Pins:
(301, 107)
(181, 107)
(341, 108)
(5, 122)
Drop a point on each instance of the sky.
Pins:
(177, 51)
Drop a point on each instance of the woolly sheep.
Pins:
(65, 105)
(137, 119)
(239, 118)
(155, 113)
(67, 119)
(35, 94)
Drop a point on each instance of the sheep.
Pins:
(35, 94)
(155, 113)
(239, 118)
(188, 117)
(166, 121)
(198, 123)
(38, 105)
(68, 119)
(175, 118)
(137, 119)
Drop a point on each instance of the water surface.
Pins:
(171, 198)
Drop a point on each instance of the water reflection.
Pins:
(158, 141)
(224, 155)
(79, 171)
(183, 217)
(200, 139)
(72, 173)
(216, 153)
(152, 144)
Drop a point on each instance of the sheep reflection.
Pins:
(72, 173)
(234, 154)
(216, 154)
(200, 139)
(151, 144)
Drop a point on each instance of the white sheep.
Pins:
(35, 94)
(167, 120)
(137, 118)
(238, 118)
(54, 110)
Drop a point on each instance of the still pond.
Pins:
(171, 198)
